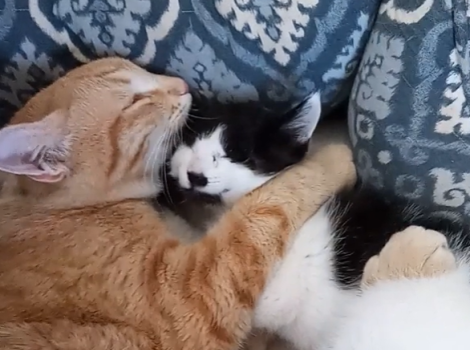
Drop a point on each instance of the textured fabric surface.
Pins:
(409, 116)
(274, 51)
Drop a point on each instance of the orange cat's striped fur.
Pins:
(86, 262)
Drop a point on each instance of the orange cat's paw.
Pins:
(412, 253)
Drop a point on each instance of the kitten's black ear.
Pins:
(305, 118)
(281, 142)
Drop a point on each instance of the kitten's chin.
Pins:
(229, 197)
(205, 197)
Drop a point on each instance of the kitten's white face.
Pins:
(205, 167)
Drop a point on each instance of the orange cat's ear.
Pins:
(38, 150)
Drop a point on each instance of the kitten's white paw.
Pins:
(179, 165)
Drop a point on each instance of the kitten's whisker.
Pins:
(153, 158)
(170, 142)
(211, 182)
(186, 125)
(166, 190)
(198, 117)
(148, 160)
(180, 136)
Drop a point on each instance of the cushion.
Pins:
(409, 114)
(274, 51)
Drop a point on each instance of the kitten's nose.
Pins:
(197, 180)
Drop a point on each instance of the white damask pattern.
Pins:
(384, 157)
(346, 61)
(261, 49)
(405, 16)
(380, 75)
(276, 25)
(454, 118)
(107, 27)
(60, 36)
(375, 85)
(207, 74)
(450, 192)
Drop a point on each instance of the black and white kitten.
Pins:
(226, 151)
(307, 297)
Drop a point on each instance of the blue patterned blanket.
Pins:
(274, 51)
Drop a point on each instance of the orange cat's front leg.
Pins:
(208, 290)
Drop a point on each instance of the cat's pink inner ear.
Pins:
(31, 149)
(49, 178)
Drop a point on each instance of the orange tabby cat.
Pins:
(86, 262)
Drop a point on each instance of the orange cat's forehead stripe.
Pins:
(113, 134)
(143, 84)
(139, 81)
(139, 155)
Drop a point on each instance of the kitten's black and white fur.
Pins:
(243, 144)
(228, 150)
(307, 297)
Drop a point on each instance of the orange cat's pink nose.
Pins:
(173, 85)
(184, 88)
(177, 86)
(181, 88)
